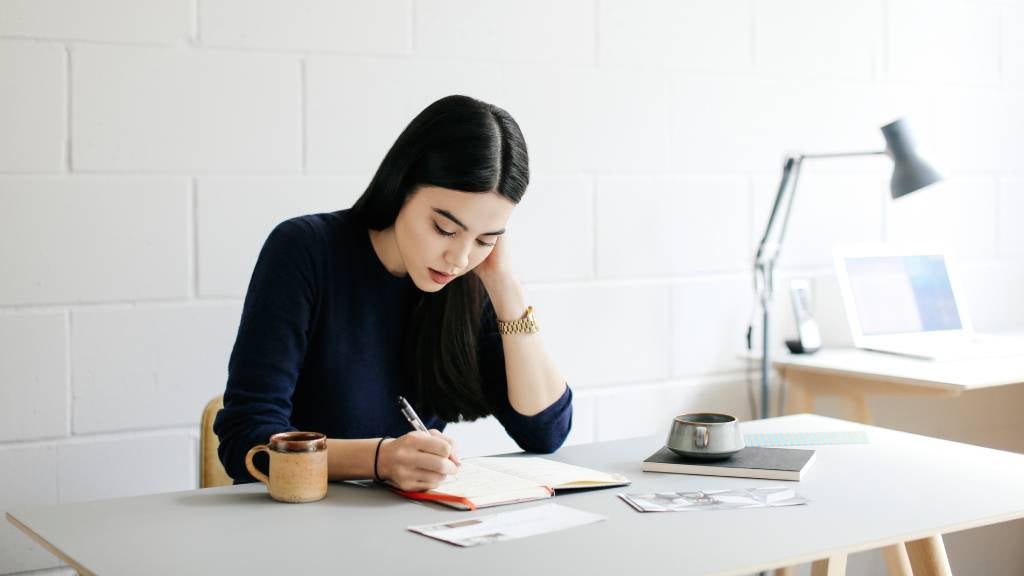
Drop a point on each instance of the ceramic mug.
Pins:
(705, 436)
(298, 466)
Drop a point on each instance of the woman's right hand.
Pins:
(417, 461)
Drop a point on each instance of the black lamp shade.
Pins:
(910, 172)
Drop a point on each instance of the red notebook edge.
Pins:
(435, 497)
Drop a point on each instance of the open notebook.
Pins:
(492, 481)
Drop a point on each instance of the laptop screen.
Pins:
(902, 294)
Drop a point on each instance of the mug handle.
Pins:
(701, 441)
(252, 469)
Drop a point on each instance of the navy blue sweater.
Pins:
(318, 348)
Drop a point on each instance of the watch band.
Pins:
(525, 325)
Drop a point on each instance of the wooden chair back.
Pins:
(211, 471)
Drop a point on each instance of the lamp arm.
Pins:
(764, 265)
(788, 183)
(768, 253)
(795, 181)
(846, 154)
(787, 170)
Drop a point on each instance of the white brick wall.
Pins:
(147, 147)
(581, 119)
(137, 368)
(33, 370)
(125, 466)
(1014, 150)
(607, 333)
(830, 209)
(92, 239)
(709, 322)
(342, 25)
(486, 436)
(1011, 233)
(958, 216)
(121, 21)
(158, 109)
(535, 30)
(993, 294)
(971, 129)
(682, 34)
(648, 409)
(690, 225)
(551, 233)
(354, 114)
(33, 120)
(228, 245)
(1013, 20)
(29, 478)
(739, 123)
(837, 39)
(945, 40)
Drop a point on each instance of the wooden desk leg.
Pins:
(831, 566)
(801, 391)
(896, 560)
(928, 557)
(798, 398)
(859, 405)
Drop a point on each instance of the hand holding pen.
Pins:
(416, 462)
(417, 424)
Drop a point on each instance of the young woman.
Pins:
(409, 293)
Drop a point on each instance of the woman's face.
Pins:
(442, 233)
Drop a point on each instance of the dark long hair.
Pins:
(458, 143)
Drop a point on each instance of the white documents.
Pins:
(508, 525)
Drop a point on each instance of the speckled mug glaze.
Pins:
(298, 466)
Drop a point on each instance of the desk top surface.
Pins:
(898, 487)
(954, 375)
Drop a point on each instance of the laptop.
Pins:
(909, 302)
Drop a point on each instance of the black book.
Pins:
(751, 462)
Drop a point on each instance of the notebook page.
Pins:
(475, 481)
(548, 472)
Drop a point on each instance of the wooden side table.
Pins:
(853, 375)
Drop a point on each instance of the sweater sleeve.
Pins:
(269, 349)
(543, 432)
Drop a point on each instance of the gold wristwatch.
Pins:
(525, 325)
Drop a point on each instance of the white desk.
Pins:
(854, 374)
(900, 487)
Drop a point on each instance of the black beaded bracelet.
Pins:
(376, 458)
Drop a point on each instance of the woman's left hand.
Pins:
(501, 283)
(497, 266)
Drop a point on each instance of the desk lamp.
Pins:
(909, 173)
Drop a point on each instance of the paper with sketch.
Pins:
(714, 499)
(508, 525)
